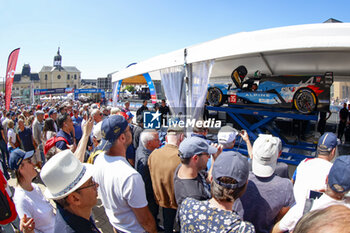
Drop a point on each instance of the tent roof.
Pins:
(301, 39)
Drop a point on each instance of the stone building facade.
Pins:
(24, 82)
(58, 76)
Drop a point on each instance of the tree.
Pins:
(129, 88)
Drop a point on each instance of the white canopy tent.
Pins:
(303, 49)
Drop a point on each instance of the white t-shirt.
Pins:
(35, 206)
(311, 174)
(289, 220)
(121, 188)
(11, 133)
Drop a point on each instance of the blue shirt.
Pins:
(26, 137)
(66, 222)
(62, 145)
(77, 126)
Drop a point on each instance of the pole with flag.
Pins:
(10, 73)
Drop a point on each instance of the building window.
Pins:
(68, 76)
(58, 76)
(75, 77)
(45, 76)
(75, 86)
(68, 86)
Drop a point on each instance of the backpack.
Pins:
(5, 210)
(52, 142)
(93, 156)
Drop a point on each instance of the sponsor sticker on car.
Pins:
(232, 99)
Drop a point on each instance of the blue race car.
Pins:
(303, 93)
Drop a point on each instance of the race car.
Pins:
(302, 93)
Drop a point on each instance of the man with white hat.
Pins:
(70, 184)
(267, 195)
(122, 189)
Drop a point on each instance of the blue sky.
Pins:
(100, 37)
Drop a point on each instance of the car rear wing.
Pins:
(328, 78)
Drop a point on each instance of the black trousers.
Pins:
(168, 219)
(341, 128)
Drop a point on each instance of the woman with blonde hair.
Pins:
(28, 198)
(11, 136)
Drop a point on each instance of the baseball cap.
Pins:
(194, 146)
(39, 112)
(94, 106)
(52, 111)
(266, 149)
(227, 134)
(97, 131)
(111, 128)
(339, 175)
(231, 164)
(327, 142)
(17, 156)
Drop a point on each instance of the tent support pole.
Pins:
(266, 63)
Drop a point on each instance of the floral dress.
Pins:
(201, 216)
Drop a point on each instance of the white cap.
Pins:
(97, 131)
(266, 149)
(227, 134)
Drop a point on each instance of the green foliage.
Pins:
(129, 88)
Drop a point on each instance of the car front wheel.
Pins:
(215, 97)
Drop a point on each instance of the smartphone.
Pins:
(315, 194)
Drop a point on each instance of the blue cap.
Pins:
(17, 156)
(112, 127)
(339, 175)
(231, 164)
(194, 146)
(52, 111)
(327, 142)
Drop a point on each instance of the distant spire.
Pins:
(57, 60)
(331, 20)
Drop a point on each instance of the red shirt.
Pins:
(3, 182)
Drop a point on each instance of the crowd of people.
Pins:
(85, 150)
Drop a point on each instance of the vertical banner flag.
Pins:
(10, 74)
(151, 87)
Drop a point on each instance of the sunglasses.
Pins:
(204, 154)
(93, 184)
